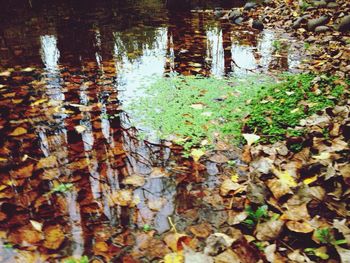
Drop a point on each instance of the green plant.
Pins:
(83, 259)
(191, 110)
(62, 188)
(255, 216)
(318, 252)
(304, 5)
(307, 45)
(325, 236)
(277, 44)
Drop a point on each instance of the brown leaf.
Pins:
(228, 187)
(299, 227)
(122, 197)
(18, 131)
(202, 230)
(25, 234)
(175, 241)
(48, 162)
(296, 213)
(54, 237)
(342, 228)
(227, 257)
(23, 172)
(156, 204)
(269, 230)
(135, 180)
(278, 188)
(219, 158)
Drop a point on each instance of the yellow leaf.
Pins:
(197, 106)
(234, 178)
(251, 138)
(197, 154)
(80, 128)
(284, 177)
(3, 159)
(174, 258)
(37, 226)
(310, 180)
(35, 103)
(322, 156)
(18, 132)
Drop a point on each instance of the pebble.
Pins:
(344, 24)
(313, 23)
(321, 29)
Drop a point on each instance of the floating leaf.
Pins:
(135, 180)
(38, 226)
(18, 131)
(80, 128)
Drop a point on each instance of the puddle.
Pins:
(66, 71)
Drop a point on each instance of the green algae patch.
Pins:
(195, 111)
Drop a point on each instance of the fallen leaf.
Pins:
(122, 197)
(269, 230)
(54, 237)
(299, 227)
(18, 131)
(342, 228)
(228, 186)
(80, 128)
(158, 172)
(227, 256)
(217, 243)
(48, 162)
(344, 254)
(250, 138)
(135, 180)
(23, 172)
(202, 230)
(310, 180)
(219, 158)
(176, 257)
(175, 241)
(156, 204)
(196, 154)
(197, 106)
(37, 226)
(284, 177)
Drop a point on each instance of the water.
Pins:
(66, 69)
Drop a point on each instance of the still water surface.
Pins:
(66, 69)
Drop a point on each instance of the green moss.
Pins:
(193, 109)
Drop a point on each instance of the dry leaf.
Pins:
(269, 230)
(202, 230)
(219, 158)
(299, 227)
(175, 241)
(23, 172)
(48, 162)
(196, 154)
(54, 237)
(135, 180)
(18, 131)
(228, 186)
(176, 257)
(80, 128)
(344, 254)
(250, 138)
(156, 204)
(37, 226)
(122, 197)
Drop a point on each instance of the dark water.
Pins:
(66, 68)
